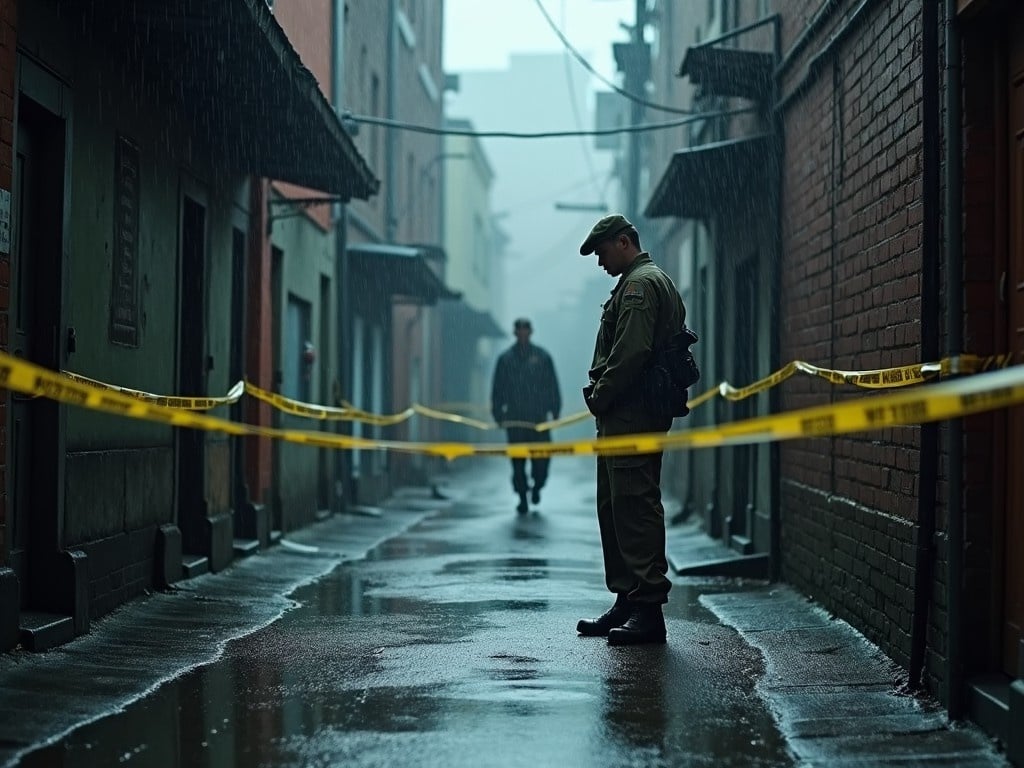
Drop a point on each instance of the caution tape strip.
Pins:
(934, 402)
(186, 403)
(881, 378)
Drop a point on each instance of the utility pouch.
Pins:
(671, 372)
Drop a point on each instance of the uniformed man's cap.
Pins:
(605, 229)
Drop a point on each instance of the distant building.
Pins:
(475, 261)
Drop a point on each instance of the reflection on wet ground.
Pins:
(453, 644)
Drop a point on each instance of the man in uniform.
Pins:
(644, 311)
(524, 392)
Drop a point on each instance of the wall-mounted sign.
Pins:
(124, 285)
(5, 221)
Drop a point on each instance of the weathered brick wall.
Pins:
(852, 216)
(8, 33)
(308, 24)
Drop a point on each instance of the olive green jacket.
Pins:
(641, 315)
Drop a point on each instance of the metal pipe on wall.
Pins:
(928, 454)
(390, 136)
(341, 495)
(953, 234)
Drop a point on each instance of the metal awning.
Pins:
(700, 181)
(729, 71)
(226, 71)
(398, 270)
(473, 323)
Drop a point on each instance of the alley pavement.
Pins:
(441, 632)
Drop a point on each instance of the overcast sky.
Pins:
(480, 34)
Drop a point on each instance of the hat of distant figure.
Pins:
(605, 229)
(522, 322)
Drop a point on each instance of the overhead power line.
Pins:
(589, 67)
(643, 128)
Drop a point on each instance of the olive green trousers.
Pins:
(632, 523)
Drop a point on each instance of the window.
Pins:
(363, 85)
(410, 193)
(375, 130)
(298, 363)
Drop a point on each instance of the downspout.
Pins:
(775, 334)
(342, 277)
(953, 236)
(928, 454)
(390, 157)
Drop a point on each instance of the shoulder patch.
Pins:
(633, 293)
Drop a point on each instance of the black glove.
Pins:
(587, 392)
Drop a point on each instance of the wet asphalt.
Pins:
(442, 633)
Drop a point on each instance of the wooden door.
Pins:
(1012, 290)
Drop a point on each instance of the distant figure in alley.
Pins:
(524, 392)
(641, 317)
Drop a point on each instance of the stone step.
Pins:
(42, 631)
(194, 565)
(245, 547)
(989, 704)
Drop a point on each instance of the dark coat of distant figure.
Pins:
(525, 390)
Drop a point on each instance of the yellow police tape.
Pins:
(186, 403)
(935, 402)
(881, 378)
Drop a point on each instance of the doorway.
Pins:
(745, 356)
(1012, 292)
(191, 443)
(36, 264)
(277, 363)
(236, 363)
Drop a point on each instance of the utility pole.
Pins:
(634, 61)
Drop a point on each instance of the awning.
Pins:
(702, 180)
(729, 71)
(226, 71)
(397, 270)
(473, 323)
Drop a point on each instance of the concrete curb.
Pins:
(833, 692)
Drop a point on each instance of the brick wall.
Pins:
(309, 26)
(8, 33)
(852, 216)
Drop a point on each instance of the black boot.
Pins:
(535, 494)
(614, 617)
(645, 625)
(523, 507)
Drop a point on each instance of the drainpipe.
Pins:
(928, 455)
(954, 343)
(342, 278)
(775, 335)
(390, 158)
